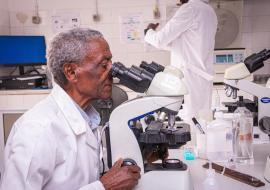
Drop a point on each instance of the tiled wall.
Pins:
(4, 17)
(110, 11)
(4, 27)
(256, 29)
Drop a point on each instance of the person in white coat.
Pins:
(56, 145)
(190, 37)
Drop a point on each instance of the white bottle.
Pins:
(243, 134)
(219, 139)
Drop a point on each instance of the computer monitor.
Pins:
(22, 50)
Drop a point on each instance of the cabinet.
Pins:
(13, 103)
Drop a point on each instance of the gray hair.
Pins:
(69, 47)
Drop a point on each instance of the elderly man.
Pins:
(55, 145)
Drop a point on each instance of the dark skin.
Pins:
(154, 26)
(89, 81)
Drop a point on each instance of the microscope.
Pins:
(235, 79)
(163, 97)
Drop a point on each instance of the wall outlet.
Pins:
(36, 19)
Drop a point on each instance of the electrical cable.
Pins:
(13, 71)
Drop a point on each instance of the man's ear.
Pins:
(69, 70)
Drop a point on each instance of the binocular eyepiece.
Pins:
(136, 78)
(255, 61)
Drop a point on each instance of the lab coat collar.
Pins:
(206, 1)
(69, 110)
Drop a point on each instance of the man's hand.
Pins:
(121, 178)
(151, 26)
(152, 155)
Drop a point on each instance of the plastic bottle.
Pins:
(243, 134)
(219, 140)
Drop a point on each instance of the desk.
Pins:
(225, 183)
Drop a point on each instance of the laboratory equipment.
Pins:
(197, 124)
(225, 58)
(164, 94)
(235, 79)
(243, 134)
(219, 147)
(22, 51)
(210, 182)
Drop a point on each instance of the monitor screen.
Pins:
(22, 50)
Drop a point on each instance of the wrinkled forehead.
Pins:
(98, 49)
(98, 44)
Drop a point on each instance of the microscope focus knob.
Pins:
(264, 124)
(128, 162)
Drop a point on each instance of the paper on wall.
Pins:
(131, 28)
(65, 21)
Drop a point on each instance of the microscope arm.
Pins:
(249, 87)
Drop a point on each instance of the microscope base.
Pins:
(169, 180)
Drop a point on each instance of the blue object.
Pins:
(189, 155)
(22, 50)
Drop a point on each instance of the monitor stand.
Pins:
(21, 70)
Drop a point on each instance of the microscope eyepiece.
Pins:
(255, 61)
(135, 78)
(152, 67)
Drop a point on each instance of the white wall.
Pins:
(109, 25)
(4, 26)
(256, 25)
(256, 28)
(4, 17)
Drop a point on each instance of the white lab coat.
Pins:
(190, 36)
(51, 147)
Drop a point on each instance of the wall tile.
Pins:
(4, 5)
(4, 18)
(4, 30)
(246, 24)
(259, 7)
(247, 7)
(247, 40)
(260, 23)
(260, 39)
(17, 30)
(15, 21)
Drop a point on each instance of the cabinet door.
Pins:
(8, 121)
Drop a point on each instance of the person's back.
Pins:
(196, 44)
(190, 36)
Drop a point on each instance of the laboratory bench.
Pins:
(198, 173)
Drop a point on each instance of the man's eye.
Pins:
(104, 65)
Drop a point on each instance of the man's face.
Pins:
(93, 80)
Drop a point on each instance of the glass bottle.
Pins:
(243, 134)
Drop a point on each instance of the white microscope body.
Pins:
(165, 91)
(235, 79)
